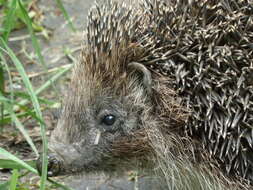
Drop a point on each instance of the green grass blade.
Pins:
(33, 37)
(18, 123)
(8, 22)
(27, 111)
(65, 14)
(63, 187)
(36, 106)
(14, 179)
(54, 78)
(21, 128)
(1, 78)
(14, 165)
(7, 119)
(3, 99)
(1, 91)
(46, 85)
(4, 64)
(10, 156)
(4, 186)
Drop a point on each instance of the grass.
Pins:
(15, 106)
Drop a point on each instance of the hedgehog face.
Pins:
(99, 131)
(83, 141)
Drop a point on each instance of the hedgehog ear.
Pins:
(146, 75)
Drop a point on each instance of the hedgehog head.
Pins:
(118, 107)
(110, 94)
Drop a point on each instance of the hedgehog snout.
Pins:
(54, 167)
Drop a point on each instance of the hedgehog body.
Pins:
(174, 82)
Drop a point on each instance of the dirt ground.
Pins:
(53, 50)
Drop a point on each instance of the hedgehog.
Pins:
(165, 87)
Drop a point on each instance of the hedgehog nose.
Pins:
(53, 167)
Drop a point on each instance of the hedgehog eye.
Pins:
(109, 119)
